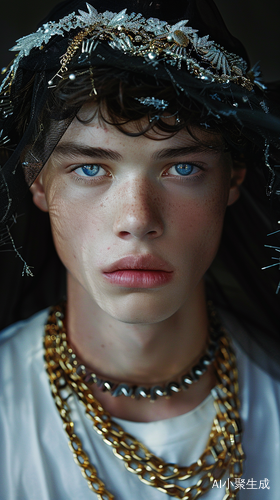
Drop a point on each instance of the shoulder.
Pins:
(259, 394)
(21, 347)
(258, 374)
(249, 350)
(23, 328)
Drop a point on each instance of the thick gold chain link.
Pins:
(223, 452)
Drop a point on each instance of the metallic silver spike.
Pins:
(142, 391)
(155, 391)
(122, 389)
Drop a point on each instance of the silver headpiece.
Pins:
(132, 34)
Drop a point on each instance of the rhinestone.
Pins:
(50, 82)
(180, 38)
(169, 38)
(72, 76)
(138, 38)
(245, 99)
(152, 56)
(83, 57)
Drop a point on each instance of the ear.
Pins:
(38, 193)
(238, 174)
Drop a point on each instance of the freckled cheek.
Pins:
(199, 225)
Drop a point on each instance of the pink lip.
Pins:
(139, 271)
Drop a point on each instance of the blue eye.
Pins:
(184, 169)
(90, 171)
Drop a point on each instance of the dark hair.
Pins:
(119, 95)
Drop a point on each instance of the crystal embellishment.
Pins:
(152, 39)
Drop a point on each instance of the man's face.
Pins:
(157, 204)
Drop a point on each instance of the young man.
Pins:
(134, 135)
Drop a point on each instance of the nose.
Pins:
(139, 211)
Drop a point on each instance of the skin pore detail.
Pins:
(137, 223)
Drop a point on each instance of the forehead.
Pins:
(88, 128)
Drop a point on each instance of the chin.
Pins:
(136, 309)
(138, 318)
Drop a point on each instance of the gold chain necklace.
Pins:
(222, 454)
(167, 389)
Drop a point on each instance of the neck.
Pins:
(141, 354)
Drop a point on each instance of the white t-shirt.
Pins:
(37, 464)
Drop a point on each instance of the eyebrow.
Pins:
(186, 150)
(74, 149)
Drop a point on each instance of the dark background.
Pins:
(255, 22)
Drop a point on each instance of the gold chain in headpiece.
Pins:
(223, 452)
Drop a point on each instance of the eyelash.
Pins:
(86, 178)
(181, 166)
(166, 173)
